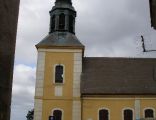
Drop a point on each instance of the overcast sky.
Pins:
(107, 28)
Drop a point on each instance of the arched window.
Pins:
(149, 113)
(62, 21)
(57, 114)
(103, 114)
(59, 74)
(53, 23)
(128, 114)
(71, 23)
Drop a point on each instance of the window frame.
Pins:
(103, 108)
(54, 70)
(128, 108)
(149, 108)
(62, 117)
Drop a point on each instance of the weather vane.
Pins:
(143, 45)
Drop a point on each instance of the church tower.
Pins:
(59, 67)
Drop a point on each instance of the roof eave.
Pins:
(58, 47)
(116, 94)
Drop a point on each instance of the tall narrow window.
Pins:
(103, 114)
(59, 74)
(57, 114)
(128, 114)
(71, 22)
(149, 113)
(53, 23)
(62, 21)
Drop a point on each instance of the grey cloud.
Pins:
(99, 24)
(23, 91)
(107, 32)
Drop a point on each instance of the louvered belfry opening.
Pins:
(61, 21)
(52, 23)
(63, 17)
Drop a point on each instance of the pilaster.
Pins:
(39, 85)
(77, 74)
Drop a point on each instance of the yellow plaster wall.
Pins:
(51, 60)
(65, 105)
(50, 101)
(91, 107)
(147, 104)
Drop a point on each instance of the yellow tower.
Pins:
(59, 67)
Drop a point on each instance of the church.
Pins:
(70, 86)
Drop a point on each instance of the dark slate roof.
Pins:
(63, 4)
(123, 76)
(60, 39)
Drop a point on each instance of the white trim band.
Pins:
(60, 50)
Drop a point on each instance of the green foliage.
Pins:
(30, 115)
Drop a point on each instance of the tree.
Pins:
(30, 115)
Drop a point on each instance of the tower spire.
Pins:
(65, 1)
(62, 27)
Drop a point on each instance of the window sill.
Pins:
(58, 84)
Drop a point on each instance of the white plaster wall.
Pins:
(40, 74)
(76, 85)
(137, 109)
(77, 74)
(58, 90)
(39, 85)
(76, 110)
(38, 110)
(60, 50)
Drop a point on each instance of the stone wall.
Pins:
(8, 28)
